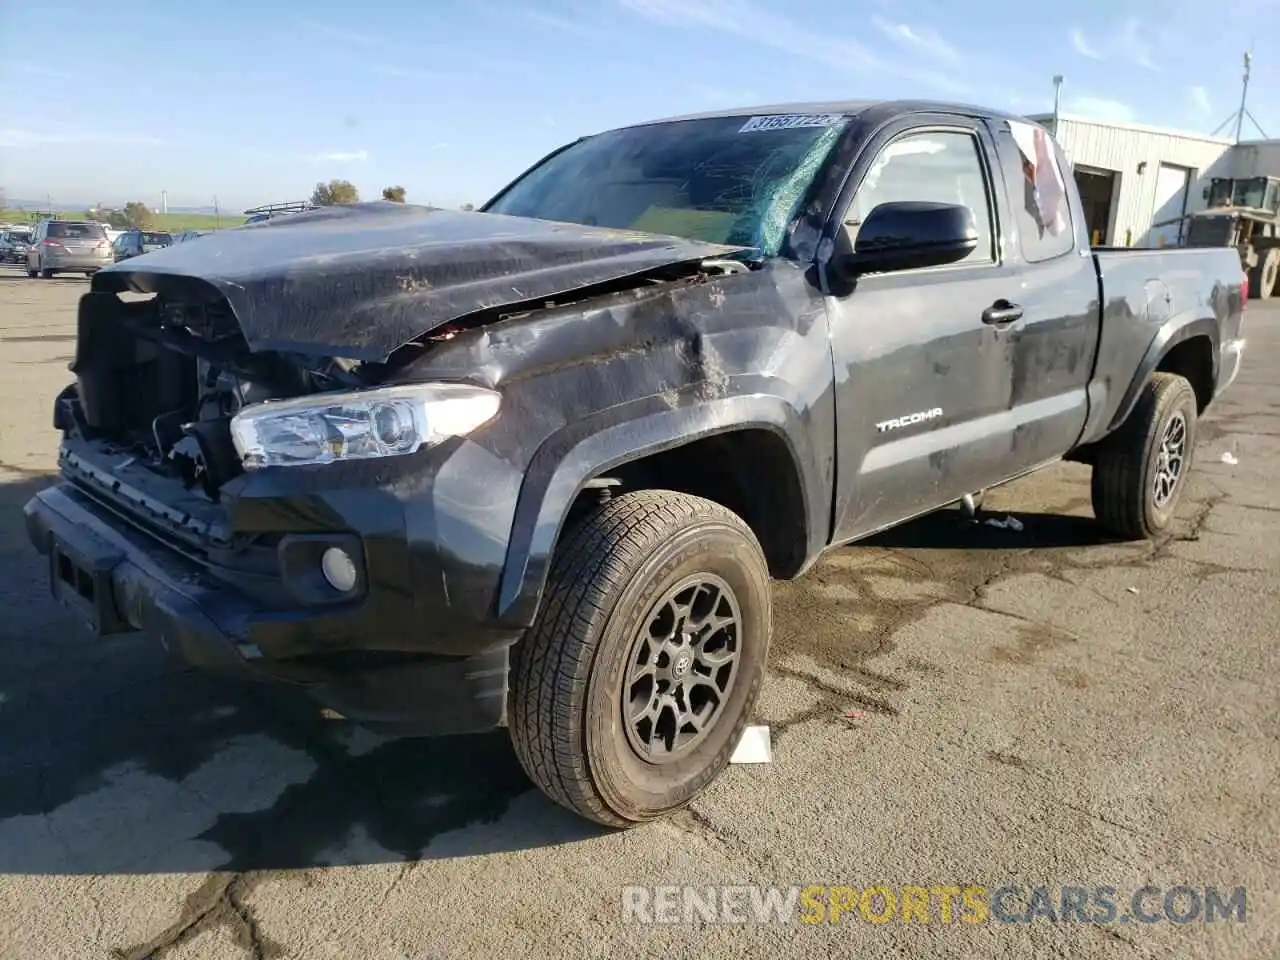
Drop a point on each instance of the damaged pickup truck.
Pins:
(536, 465)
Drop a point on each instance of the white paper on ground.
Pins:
(1229, 458)
(1008, 523)
(756, 746)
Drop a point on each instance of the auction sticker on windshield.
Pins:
(790, 121)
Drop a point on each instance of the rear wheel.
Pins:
(631, 690)
(1265, 276)
(1140, 470)
(47, 274)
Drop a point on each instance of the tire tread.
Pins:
(592, 564)
(1119, 482)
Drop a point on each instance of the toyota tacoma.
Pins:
(536, 465)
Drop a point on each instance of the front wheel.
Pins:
(1140, 470)
(632, 688)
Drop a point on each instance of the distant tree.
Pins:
(137, 214)
(333, 192)
(467, 206)
(394, 194)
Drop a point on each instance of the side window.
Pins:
(1038, 192)
(937, 166)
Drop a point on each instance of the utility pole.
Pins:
(1244, 96)
(217, 217)
(1057, 101)
(1240, 115)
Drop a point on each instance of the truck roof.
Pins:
(887, 108)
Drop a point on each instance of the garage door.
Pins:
(1172, 184)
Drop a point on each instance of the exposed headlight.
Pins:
(387, 422)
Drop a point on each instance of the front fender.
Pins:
(587, 448)
(1172, 332)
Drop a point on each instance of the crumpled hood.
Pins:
(360, 281)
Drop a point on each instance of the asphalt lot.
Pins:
(1028, 707)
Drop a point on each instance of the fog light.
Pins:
(339, 569)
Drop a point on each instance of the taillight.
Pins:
(50, 243)
(1244, 290)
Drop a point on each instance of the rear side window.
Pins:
(1038, 191)
(934, 166)
(156, 238)
(76, 231)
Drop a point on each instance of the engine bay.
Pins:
(160, 381)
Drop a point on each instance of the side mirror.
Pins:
(906, 235)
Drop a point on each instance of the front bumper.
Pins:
(122, 579)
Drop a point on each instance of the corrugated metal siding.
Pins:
(1257, 159)
(1122, 149)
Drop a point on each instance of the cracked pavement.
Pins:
(950, 703)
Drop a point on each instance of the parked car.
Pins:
(14, 244)
(447, 471)
(68, 246)
(134, 243)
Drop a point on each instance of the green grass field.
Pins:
(159, 221)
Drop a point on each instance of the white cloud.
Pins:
(38, 70)
(343, 34)
(1134, 45)
(1100, 108)
(340, 156)
(1082, 45)
(16, 138)
(549, 21)
(1131, 44)
(748, 21)
(918, 38)
(408, 73)
(1200, 100)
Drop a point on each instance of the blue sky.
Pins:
(255, 102)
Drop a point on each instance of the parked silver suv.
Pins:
(68, 246)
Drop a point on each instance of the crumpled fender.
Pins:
(589, 448)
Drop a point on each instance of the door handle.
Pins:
(1002, 312)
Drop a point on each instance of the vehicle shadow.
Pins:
(118, 760)
(951, 529)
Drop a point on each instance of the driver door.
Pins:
(922, 356)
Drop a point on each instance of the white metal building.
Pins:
(1133, 176)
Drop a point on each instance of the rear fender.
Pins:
(1172, 332)
(569, 458)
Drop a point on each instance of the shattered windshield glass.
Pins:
(734, 180)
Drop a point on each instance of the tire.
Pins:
(1128, 463)
(47, 274)
(1265, 277)
(31, 273)
(613, 570)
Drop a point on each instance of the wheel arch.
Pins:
(1187, 345)
(646, 444)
